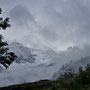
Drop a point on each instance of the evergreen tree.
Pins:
(6, 57)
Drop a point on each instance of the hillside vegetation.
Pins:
(68, 81)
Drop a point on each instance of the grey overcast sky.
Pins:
(55, 24)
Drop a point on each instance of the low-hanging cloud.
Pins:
(57, 24)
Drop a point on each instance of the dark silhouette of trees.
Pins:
(6, 57)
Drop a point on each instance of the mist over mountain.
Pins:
(19, 13)
(73, 66)
(45, 34)
(22, 17)
(56, 24)
(34, 64)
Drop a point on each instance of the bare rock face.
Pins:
(23, 53)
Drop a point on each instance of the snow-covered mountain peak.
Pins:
(34, 56)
